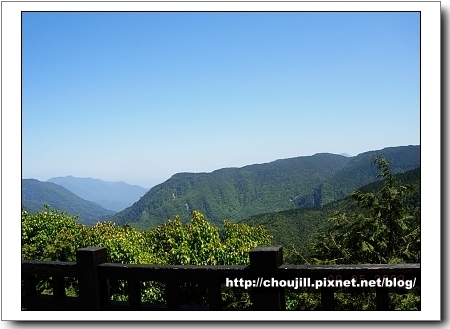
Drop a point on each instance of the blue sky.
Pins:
(138, 97)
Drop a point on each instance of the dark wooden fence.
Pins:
(94, 274)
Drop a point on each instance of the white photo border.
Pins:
(430, 159)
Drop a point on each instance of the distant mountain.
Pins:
(345, 154)
(110, 195)
(298, 226)
(36, 193)
(238, 193)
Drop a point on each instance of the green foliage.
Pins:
(51, 235)
(292, 228)
(297, 229)
(124, 244)
(197, 242)
(238, 239)
(385, 230)
(200, 243)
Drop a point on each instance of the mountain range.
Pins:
(239, 193)
(307, 183)
(114, 196)
(36, 193)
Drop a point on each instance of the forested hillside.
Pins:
(36, 193)
(360, 171)
(239, 193)
(233, 193)
(298, 226)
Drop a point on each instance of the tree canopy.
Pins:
(384, 229)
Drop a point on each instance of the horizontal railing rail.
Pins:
(337, 273)
(163, 273)
(94, 275)
(173, 276)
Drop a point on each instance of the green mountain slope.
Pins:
(36, 193)
(238, 193)
(297, 226)
(233, 193)
(359, 172)
(115, 196)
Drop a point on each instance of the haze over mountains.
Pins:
(115, 196)
(92, 199)
(36, 193)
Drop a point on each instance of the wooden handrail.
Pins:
(93, 275)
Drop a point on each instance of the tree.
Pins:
(200, 243)
(385, 229)
(50, 235)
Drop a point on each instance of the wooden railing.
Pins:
(94, 274)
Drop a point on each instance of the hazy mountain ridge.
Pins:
(115, 196)
(36, 193)
(239, 193)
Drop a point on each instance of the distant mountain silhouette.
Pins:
(110, 195)
(36, 193)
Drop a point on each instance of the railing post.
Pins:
(30, 285)
(264, 262)
(134, 293)
(91, 290)
(214, 296)
(59, 287)
(382, 294)
(173, 295)
(327, 299)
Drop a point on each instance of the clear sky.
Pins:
(138, 97)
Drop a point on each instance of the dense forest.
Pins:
(379, 223)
